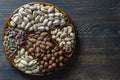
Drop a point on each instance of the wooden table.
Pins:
(97, 54)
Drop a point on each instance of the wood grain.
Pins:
(97, 54)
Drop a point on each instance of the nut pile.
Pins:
(13, 39)
(40, 38)
(53, 61)
(26, 62)
(39, 44)
(65, 38)
(37, 17)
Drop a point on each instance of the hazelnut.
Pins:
(45, 58)
(41, 67)
(54, 65)
(60, 53)
(50, 62)
(44, 71)
(53, 58)
(61, 65)
(61, 58)
(46, 64)
(55, 54)
(48, 56)
(42, 62)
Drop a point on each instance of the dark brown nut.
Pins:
(53, 50)
(44, 71)
(42, 46)
(45, 58)
(36, 36)
(31, 35)
(34, 46)
(42, 62)
(56, 48)
(37, 54)
(43, 42)
(37, 49)
(50, 62)
(46, 64)
(61, 64)
(48, 56)
(53, 58)
(49, 44)
(41, 67)
(60, 53)
(30, 50)
(29, 43)
(50, 67)
(27, 47)
(43, 34)
(38, 43)
(32, 40)
(40, 38)
(38, 32)
(42, 55)
(47, 47)
(54, 65)
(48, 51)
(57, 61)
(45, 39)
(56, 54)
(32, 54)
(48, 39)
(61, 58)
(42, 50)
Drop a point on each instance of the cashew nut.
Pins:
(58, 39)
(65, 30)
(54, 32)
(69, 29)
(72, 35)
(63, 35)
(58, 34)
(68, 49)
(62, 44)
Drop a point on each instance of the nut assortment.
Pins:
(38, 38)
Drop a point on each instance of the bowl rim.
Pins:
(69, 22)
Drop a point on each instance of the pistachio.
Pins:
(24, 62)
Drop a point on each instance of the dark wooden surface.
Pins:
(97, 54)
